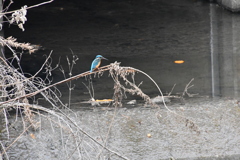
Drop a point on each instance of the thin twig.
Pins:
(188, 87)
(171, 90)
(60, 82)
(33, 6)
(61, 115)
(27, 79)
(5, 150)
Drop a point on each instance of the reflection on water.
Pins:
(224, 43)
(214, 51)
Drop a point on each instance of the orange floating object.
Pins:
(179, 61)
(104, 100)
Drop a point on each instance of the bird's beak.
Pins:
(104, 58)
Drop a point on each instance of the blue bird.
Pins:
(96, 62)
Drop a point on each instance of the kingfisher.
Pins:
(96, 62)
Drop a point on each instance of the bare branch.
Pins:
(34, 6)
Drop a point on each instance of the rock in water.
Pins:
(159, 99)
(132, 102)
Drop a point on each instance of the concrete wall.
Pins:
(232, 5)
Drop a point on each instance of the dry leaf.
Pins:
(32, 136)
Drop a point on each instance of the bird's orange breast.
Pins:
(96, 67)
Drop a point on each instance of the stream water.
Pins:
(150, 35)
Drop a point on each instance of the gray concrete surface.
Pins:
(232, 5)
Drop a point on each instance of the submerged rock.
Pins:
(159, 99)
(132, 102)
(98, 102)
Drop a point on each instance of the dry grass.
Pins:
(24, 88)
(16, 91)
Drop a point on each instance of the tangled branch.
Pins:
(117, 72)
(12, 42)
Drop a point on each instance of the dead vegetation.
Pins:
(25, 88)
(17, 90)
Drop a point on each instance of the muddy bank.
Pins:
(139, 133)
